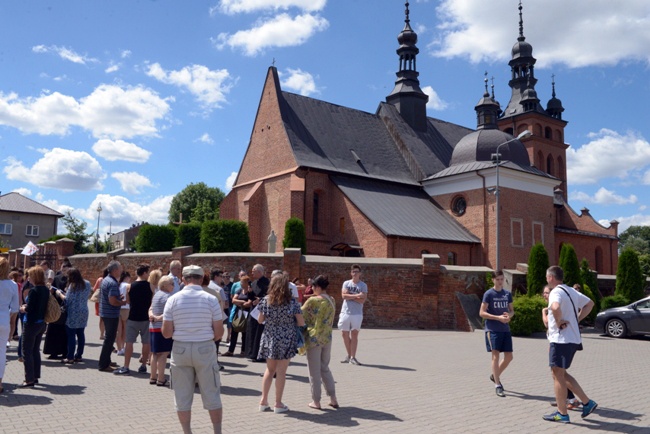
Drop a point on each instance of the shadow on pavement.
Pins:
(62, 390)
(9, 399)
(388, 368)
(606, 426)
(344, 416)
(239, 391)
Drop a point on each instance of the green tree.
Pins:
(538, 263)
(590, 279)
(224, 236)
(77, 232)
(155, 238)
(637, 238)
(295, 234)
(197, 203)
(189, 235)
(630, 282)
(570, 266)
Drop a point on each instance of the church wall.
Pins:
(602, 253)
(269, 151)
(413, 248)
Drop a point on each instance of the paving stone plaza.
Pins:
(411, 381)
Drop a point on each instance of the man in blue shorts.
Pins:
(566, 308)
(497, 311)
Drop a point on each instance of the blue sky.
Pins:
(125, 102)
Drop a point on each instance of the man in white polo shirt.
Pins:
(194, 319)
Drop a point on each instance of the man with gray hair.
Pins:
(194, 319)
(292, 286)
(175, 268)
(254, 330)
(110, 302)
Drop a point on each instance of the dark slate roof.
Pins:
(324, 136)
(15, 202)
(402, 210)
(480, 145)
(430, 150)
(480, 165)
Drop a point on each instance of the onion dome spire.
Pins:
(487, 109)
(554, 106)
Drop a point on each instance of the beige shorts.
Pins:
(124, 314)
(195, 362)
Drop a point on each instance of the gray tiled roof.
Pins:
(402, 210)
(15, 202)
(479, 165)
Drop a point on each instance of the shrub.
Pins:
(295, 234)
(155, 238)
(629, 279)
(189, 235)
(528, 315)
(590, 279)
(489, 283)
(224, 236)
(570, 265)
(613, 301)
(537, 265)
(591, 318)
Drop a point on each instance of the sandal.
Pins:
(162, 383)
(314, 406)
(153, 380)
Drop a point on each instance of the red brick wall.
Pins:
(409, 293)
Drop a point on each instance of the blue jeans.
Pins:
(81, 341)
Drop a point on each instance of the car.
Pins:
(619, 322)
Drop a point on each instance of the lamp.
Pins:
(99, 213)
(496, 157)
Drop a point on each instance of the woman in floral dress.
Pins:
(318, 312)
(76, 300)
(279, 340)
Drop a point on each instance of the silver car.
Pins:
(619, 322)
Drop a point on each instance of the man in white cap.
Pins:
(194, 319)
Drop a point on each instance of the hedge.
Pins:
(155, 238)
(528, 315)
(295, 234)
(189, 235)
(224, 236)
(613, 301)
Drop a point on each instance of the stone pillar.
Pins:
(291, 262)
(430, 274)
(179, 253)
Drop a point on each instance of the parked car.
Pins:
(619, 322)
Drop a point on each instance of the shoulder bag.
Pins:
(53, 311)
(575, 312)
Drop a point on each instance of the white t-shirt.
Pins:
(192, 310)
(123, 287)
(570, 334)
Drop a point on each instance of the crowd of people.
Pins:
(185, 315)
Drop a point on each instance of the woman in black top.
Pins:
(34, 322)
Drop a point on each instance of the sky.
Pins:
(126, 102)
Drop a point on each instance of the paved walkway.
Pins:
(412, 381)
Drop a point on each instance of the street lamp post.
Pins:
(496, 157)
(99, 213)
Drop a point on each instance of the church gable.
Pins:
(269, 150)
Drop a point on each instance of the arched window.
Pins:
(548, 134)
(316, 211)
(549, 165)
(560, 168)
(451, 258)
(537, 130)
(540, 161)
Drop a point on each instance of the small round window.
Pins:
(459, 205)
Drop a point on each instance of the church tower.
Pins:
(546, 148)
(407, 96)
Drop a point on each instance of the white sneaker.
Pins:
(120, 352)
(354, 361)
(346, 360)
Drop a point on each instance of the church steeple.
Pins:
(407, 96)
(554, 106)
(487, 109)
(522, 82)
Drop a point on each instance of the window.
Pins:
(316, 211)
(459, 206)
(538, 232)
(5, 228)
(517, 232)
(342, 225)
(549, 165)
(451, 258)
(31, 231)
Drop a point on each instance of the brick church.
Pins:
(397, 183)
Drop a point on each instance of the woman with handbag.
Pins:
(76, 301)
(34, 325)
(56, 337)
(319, 311)
(280, 313)
(243, 302)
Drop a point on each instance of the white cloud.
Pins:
(119, 213)
(24, 191)
(608, 155)
(208, 86)
(231, 181)
(604, 197)
(560, 31)
(299, 81)
(646, 177)
(435, 102)
(247, 6)
(132, 182)
(112, 68)
(64, 53)
(626, 222)
(39, 196)
(114, 150)
(109, 111)
(279, 31)
(125, 54)
(59, 168)
(205, 138)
